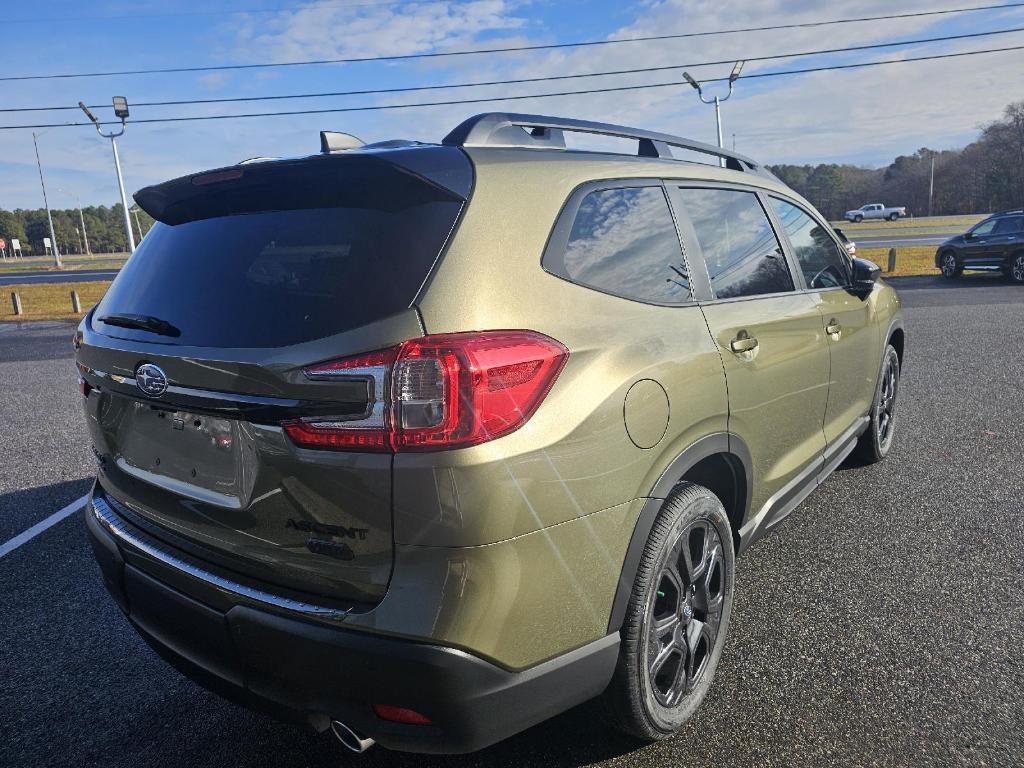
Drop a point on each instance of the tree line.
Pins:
(984, 177)
(104, 227)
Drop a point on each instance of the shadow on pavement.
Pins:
(21, 509)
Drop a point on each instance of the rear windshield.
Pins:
(271, 278)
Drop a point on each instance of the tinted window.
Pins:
(820, 259)
(624, 241)
(743, 255)
(270, 278)
(1008, 225)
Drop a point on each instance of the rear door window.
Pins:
(823, 263)
(1008, 226)
(742, 253)
(623, 241)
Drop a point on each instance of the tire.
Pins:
(693, 616)
(858, 219)
(950, 265)
(876, 442)
(1015, 270)
(893, 216)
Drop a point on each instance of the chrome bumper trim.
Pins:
(141, 541)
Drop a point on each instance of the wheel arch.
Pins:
(897, 337)
(721, 463)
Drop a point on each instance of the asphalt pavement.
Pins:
(880, 625)
(50, 276)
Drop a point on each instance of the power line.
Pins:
(221, 12)
(454, 102)
(521, 80)
(506, 49)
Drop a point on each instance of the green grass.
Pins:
(912, 260)
(51, 301)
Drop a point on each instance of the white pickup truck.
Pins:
(874, 211)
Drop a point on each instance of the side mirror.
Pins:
(865, 275)
(969, 236)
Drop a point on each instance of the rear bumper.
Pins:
(305, 671)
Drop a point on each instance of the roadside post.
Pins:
(76, 305)
(892, 260)
(16, 303)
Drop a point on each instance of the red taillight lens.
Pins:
(445, 391)
(400, 715)
(464, 389)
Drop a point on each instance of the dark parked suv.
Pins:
(424, 444)
(993, 245)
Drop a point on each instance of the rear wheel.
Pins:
(893, 216)
(875, 443)
(1016, 270)
(677, 617)
(949, 265)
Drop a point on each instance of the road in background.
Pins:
(70, 276)
(880, 625)
(896, 241)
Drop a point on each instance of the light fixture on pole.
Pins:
(121, 111)
(717, 101)
(49, 218)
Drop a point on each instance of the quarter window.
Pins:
(818, 255)
(740, 248)
(623, 241)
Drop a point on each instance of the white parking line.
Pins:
(42, 525)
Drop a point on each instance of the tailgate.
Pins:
(208, 468)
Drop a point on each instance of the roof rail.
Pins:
(500, 129)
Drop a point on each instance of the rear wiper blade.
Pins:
(142, 323)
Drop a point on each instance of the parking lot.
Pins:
(881, 625)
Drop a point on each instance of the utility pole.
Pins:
(49, 218)
(121, 111)
(717, 101)
(931, 185)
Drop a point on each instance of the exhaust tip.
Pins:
(351, 738)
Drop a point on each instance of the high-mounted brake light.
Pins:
(439, 392)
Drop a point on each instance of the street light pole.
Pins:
(717, 101)
(49, 218)
(81, 218)
(121, 111)
(135, 213)
(931, 185)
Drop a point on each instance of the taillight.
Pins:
(439, 392)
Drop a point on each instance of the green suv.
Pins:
(424, 444)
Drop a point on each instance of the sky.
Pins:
(865, 116)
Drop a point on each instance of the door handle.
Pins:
(833, 328)
(743, 343)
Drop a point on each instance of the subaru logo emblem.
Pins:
(151, 379)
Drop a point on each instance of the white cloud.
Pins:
(864, 116)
